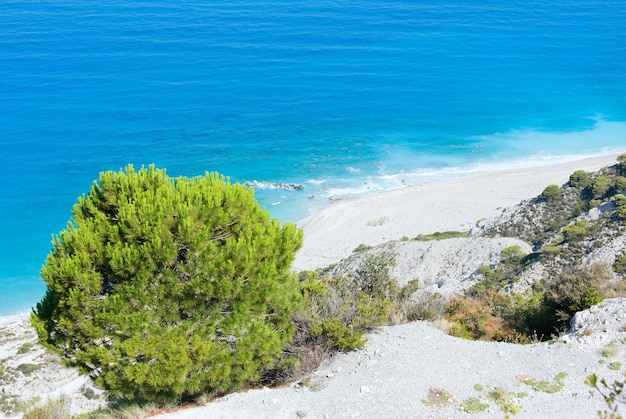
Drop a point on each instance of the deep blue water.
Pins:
(342, 97)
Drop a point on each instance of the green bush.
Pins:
(620, 184)
(620, 200)
(620, 265)
(441, 235)
(600, 186)
(551, 193)
(373, 278)
(333, 316)
(336, 312)
(579, 179)
(28, 369)
(575, 232)
(362, 248)
(168, 288)
(574, 290)
(512, 252)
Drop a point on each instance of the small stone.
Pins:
(365, 389)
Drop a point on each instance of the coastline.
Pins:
(362, 380)
(335, 231)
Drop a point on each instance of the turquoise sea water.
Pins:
(342, 97)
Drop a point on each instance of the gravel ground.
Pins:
(415, 370)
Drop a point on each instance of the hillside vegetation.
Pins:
(578, 258)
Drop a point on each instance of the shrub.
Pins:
(52, 409)
(600, 186)
(620, 184)
(550, 249)
(362, 248)
(574, 290)
(575, 232)
(621, 164)
(336, 312)
(441, 235)
(512, 252)
(620, 200)
(474, 318)
(551, 193)
(545, 385)
(426, 306)
(334, 316)
(438, 397)
(579, 179)
(28, 369)
(373, 278)
(620, 265)
(168, 288)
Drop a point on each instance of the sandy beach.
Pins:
(452, 204)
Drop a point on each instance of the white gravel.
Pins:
(392, 378)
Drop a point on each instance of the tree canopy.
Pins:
(166, 288)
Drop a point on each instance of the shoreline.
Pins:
(333, 232)
(453, 203)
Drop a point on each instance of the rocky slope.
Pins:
(445, 266)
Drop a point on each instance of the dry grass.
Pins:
(438, 397)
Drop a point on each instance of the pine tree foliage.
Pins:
(167, 288)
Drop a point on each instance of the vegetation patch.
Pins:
(336, 312)
(123, 409)
(28, 369)
(545, 386)
(11, 404)
(489, 313)
(52, 409)
(25, 347)
(438, 397)
(505, 401)
(613, 394)
(362, 248)
(609, 351)
(310, 382)
(441, 235)
(473, 405)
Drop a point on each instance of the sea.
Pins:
(301, 99)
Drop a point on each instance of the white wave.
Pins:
(275, 185)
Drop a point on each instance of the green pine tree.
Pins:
(167, 288)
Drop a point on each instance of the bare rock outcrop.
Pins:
(444, 266)
(604, 322)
